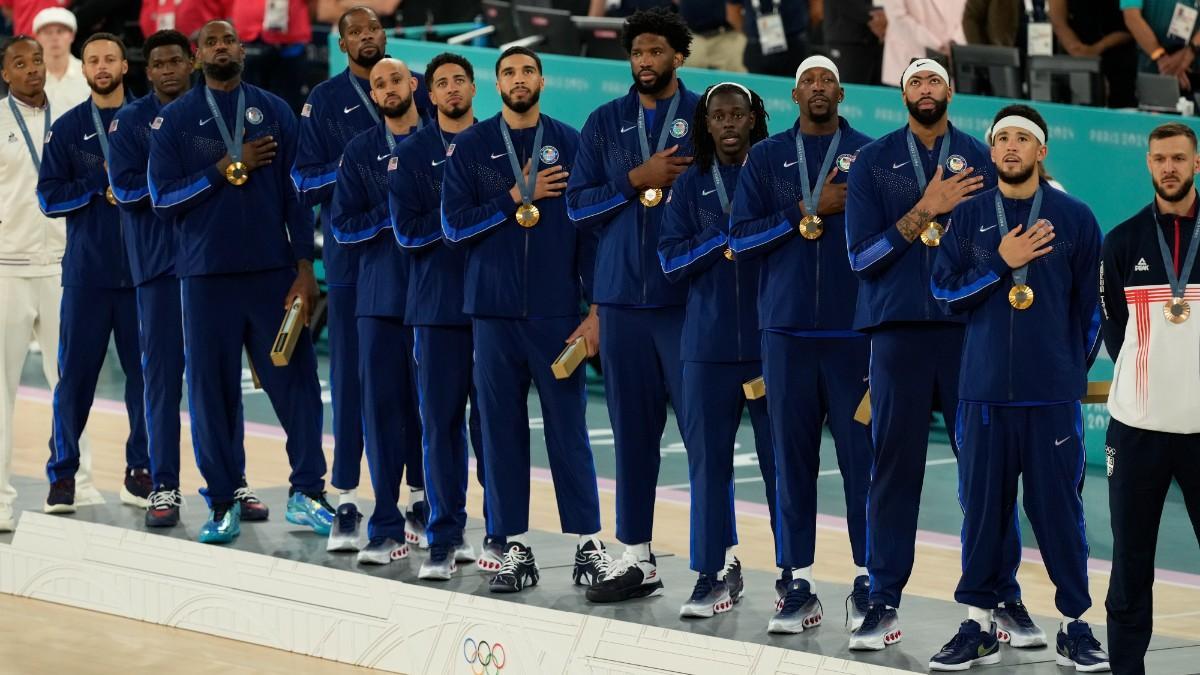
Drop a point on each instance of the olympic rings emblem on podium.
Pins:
(484, 658)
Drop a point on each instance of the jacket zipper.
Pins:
(525, 276)
(928, 273)
(737, 295)
(642, 249)
(1012, 315)
(817, 290)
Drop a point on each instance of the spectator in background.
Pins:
(185, 16)
(854, 31)
(329, 11)
(66, 87)
(21, 12)
(1149, 21)
(623, 8)
(275, 34)
(917, 25)
(717, 38)
(766, 54)
(1001, 23)
(110, 16)
(1097, 28)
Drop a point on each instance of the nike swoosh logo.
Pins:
(707, 192)
(382, 157)
(503, 154)
(985, 229)
(897, 166)
(351, 109)
(628, 129)
(791, 163)
(203, 122)
(88, 137)
(1061, 441)
(433, 163)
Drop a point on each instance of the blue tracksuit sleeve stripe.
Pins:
(752, 226)
(312, 180)
(348, 221)
(171, 192)
(956, 283)
(593, 197)
(127, 154)
(315, 168)
(59, 190)
(673, 266)
(412, 202)
(872, 243)
(681, 241)
(463, 216)
(174, 198)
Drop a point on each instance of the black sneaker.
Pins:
(1078, 647)
(137, 488)
(971, 646)
(592, 563)
(62, 497)
(164, 508)
(732, 576)
(858, 602)
(1016, 627)
(627, 579)
(253, 510)
(517, 570)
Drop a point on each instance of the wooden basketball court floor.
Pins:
(37, 637)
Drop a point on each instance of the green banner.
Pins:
(1097, 154)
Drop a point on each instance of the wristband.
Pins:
(1157, 54)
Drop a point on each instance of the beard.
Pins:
(821, 118)
(368, 62)
(660, 82)
(454, 112)
(223, 73)
(1018, 176)
(104, 91)
(1185, 187)
(928, 117)
(398, 110)
(521, 107)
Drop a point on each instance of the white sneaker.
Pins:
(464, 553)
(7, 520)
(86, 494)
(382, 550)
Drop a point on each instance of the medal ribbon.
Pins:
(362, 96)
(526, 189)
(1021, 273)
(1178, 283)
(239, 130)
(719, 183)
(33, 154)
(812, 195)
(666, 127)
(916, 157)
(98, 125)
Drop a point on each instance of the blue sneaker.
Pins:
(971, 646)
(310, 511)
(801, 610)
(223, 525)
(1079, 648)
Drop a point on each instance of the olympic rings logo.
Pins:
(484, 658)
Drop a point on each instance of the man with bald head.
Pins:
(218, 168)
(360, 219)
(337, 110)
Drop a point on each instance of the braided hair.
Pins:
(702, 141)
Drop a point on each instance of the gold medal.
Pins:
(811, 227)
(1020, 297)
(932, 234)
(1177, 310)
(651, 197)
(108, 194)
(528, 215)
(237, 173)
(729, 254)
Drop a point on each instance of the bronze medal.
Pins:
(932, 234)
(811, 227)
(1177, 310)
(528, 215)
(108, 194)
(237, 173)
(650, 197)
(1020, 297)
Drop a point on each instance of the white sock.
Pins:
(981, 616)
(805, 573)
(730, 554)
(1066, 621)
(640, 551)
(861, 572)
(348, 497)
(517, 539)
(415, 495)
(594, 537)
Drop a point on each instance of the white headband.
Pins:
(1023, 123)
(749, 96)
(922, 65)
(817, 62)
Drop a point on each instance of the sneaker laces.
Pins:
(704, 585)
(1086, 639)
(794, 599)
(956, 642)
(165, 499)
(319, 498)
(245, 494)
(1020, 614)
(874, 616)
(619, 566)
(599, 560)
(513, 558)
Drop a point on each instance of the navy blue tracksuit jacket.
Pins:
(1024, 372)
(98, 297)
(720, 353)
(815, 366)
(641, 314)
(523, 289)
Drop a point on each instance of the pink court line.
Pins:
(824, 521)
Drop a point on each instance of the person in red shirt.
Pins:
(21, 12)
(274, 33)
